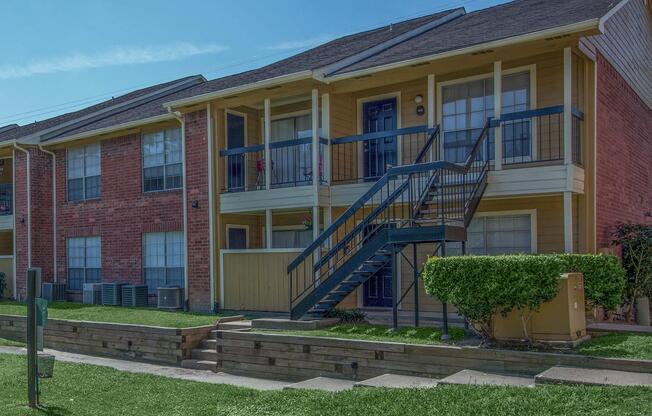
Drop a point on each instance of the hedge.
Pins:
(481, 286)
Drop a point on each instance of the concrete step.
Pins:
(208, 344)
(397, 381)
(199, 365)
(204, 355)
(323, 384)
(234, 325)
(592, 377)
(471, 377)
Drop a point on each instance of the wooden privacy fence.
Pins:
(255, 280)
(125, 341)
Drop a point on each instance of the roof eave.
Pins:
(106, 130)
(543, 34)
(269, 82)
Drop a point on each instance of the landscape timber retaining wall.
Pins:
(299, 357)
(125, 341)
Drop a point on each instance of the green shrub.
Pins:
(348, 316)
(604, 278)
(3, 284)
(635, 242)
(480, 286)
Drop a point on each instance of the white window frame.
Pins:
(533, 222)
(165, 164)
(85, 268)
(226, 144)
(532, 69)
(237, 227)
(165, 251)
(84, 176)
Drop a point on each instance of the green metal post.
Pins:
(33, 278)
(394, 288)
(444, 335)
(416, 285)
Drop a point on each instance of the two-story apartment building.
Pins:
(326, 178)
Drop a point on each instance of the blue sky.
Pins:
(60, 56)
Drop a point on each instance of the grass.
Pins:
(9, 343)
(636, 346)
(108, 391)
(114, 314)
(381, 333)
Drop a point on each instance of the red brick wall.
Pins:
(624, 154)
(198, 226)
(20, 219)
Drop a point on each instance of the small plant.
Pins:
(635, 242)
(3, 284)
(348, 316)
(604, 278)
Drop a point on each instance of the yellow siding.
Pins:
(6, 267)
(256, 281)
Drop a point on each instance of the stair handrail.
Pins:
(377, 186)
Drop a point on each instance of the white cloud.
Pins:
(300, 44)
(112, 57)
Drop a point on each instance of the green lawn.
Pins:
(115, 314)
(107, 391)
(637, 346)
(381, 333)
(9, 343)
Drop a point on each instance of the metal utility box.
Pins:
(562, 319)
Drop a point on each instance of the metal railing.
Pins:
(6, 199)
(394, 201)
(291, 165)
(366, 157)
(538, 135)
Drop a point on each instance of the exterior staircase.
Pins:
(429, 201)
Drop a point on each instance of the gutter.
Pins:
(211, 203)
(542, 34)
(29, 210)
(54, 209)
(182, 120)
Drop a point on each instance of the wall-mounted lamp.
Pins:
(195, 204)
(420, 109)
(418, 99)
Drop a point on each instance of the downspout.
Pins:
(13, 233)
(211, 202)
(181, 120)
(29, 209)
(54, 209)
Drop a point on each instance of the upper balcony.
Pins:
(537, 138)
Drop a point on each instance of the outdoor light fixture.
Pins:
(418, 99)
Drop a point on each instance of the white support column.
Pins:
(326, 134)
(268, 228)
(431, 101)
(568, 103)
(315, 222)
(328, 220)
(267, 139)
(498, 105)
(315, 139)
(568, 222)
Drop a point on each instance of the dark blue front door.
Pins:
(235, 138)
(379, 154)
(377, 290)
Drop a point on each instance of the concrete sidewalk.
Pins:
(619, 328)
(201, 376)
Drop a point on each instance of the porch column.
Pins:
(568, 103)
(568, 222)
(328, 220)
(498, 104)
(315, 138)
(267, 139)
(315, 222)
(268, 228)
(431, 101)
(325, 133)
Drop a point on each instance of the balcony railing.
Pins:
(291, 165)
(6, 199)
(538, 135)
(366, 157)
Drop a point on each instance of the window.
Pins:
(297, 238)
(84, 261)
(83, 172)
(466, 107)
(162, 168)
(497, 234)
(237, 237)
(163, 260)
